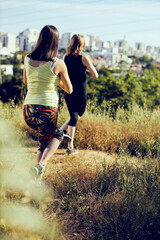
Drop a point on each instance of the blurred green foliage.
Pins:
(143, 90)
(12, 87)
(21, 201)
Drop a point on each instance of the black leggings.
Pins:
(76, 106)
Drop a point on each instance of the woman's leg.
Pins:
(49, 151)
(43, 119)
(38, 156)
(72, 127)
(65, 125)
(71, 132)
(46, 152)
(43, 157)
(55, 136)
(29, 112)
(70, 102)
(76, 106)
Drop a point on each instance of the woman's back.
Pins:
(42, 84)
(76, 71)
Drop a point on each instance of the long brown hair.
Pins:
(46, 47)
(77, 44)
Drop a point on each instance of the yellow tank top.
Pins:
(42, 85)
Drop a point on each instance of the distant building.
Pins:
(140, 46)
(152, 52)
(99, 45)
(113, 52)
(8, 40)
(4, 51)
(87, 42)
(140, 49)
(65, 39)
(122, 44)
(93, 42)
(27, 39)
(106, 44)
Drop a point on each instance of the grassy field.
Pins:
(136, 131)
(108, 191)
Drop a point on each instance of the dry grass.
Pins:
(112, 136)
(136, 131)
(97, 194)
(81, 166)
(101, 196)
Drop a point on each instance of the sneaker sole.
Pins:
(72, 153)
(67, 137)
(34, 172)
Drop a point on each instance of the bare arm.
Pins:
(61, 69)
(64, 56)
(91, 69)
(24, 76)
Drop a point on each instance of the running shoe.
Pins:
(36, 170)
(72, 151)
(67, 137)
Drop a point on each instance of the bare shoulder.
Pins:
(26, 58)
(85, 60)
(64, 56)
(60, 63)
(90, 67)
(61, 66)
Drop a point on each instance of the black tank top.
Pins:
(77, 74)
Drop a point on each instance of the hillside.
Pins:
(96, 195)
(109, 191)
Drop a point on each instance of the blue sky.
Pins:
(134, 20)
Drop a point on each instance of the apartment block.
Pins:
(27, 39)
(140, 49)
(122, 44)
(65, 39)
(8, 40)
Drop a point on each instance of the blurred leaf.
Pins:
(24, 217)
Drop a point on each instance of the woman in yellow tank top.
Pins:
(42, 74)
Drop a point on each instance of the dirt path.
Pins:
(87, 162)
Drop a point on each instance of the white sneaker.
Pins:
(67, 137)
(36, 170)
(72, 151)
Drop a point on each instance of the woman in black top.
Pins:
(78, 65)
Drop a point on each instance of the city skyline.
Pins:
(136, 21)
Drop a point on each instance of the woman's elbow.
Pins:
(70, 90)
(96, 75)
(25, 81)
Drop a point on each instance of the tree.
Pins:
(126, 90)
(13, 88)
